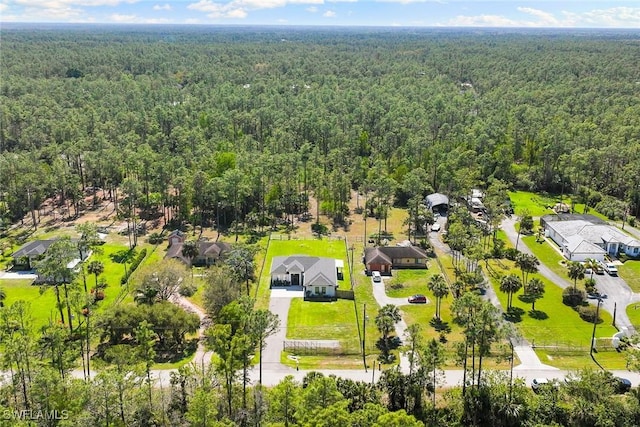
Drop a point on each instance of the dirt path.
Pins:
(202, 356)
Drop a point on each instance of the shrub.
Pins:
(590, 285)
(319, 229)
(155, 238)
(187, 289)
(511, 254)
(588, 313)
(573, 297)
(136, 262)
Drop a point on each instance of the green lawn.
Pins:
(324, 321)
(555, 324)
(535, 204)
(633, 311)
(547, 255)
(404, 283)
(630, 272)
(42, 305)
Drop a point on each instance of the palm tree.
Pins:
(510, 284)
(576, 272)
(439, 287)
(527, 264)
(591, 264)
(3, 296)
(97, 268)
(534, 289)
(190, 251)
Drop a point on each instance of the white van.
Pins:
(376, 276)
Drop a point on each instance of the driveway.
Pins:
(279, 304)
(27, 275)
(618, 292)
(528, 358)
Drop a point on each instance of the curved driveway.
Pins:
(618, 292)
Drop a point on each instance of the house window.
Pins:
(324, 290)
(635, 250)
(419, 261)
(317, 290)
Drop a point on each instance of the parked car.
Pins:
(598, 269)
(435, 227)
(417, 299)
(376, 276)
(537, 383)
(621, 385)
(610, 268)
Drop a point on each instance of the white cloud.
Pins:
(329, 14)
(544, 18)
(238, 9)
(123, 18)
(135, 19)
(59, 4)
(410, 1)
(615, 17)
(165, 6)
(312, 9)
(481, 21)
(3, 7)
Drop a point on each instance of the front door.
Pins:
(295, 280)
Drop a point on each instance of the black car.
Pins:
(621, 385)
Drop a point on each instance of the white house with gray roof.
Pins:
(585, 236)
(317, 276)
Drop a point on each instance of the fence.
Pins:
(583, 346)
(292, 236)
(345, 294)
(322, 348)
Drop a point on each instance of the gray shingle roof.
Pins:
(389, 253)
(33, 249)
(315, 269)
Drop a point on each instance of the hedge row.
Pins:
(136, 262)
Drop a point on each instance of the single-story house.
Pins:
(437, 202)
(586, 236)
(24, 257)
(385, 258)
(317, 276)
(208, 252)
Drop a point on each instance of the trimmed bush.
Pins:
(588, 313)
(136, 262)
(187, 289)
(573, 297)
(155, 238)
(511, 254)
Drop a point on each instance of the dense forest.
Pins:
(245, 128)
(234, 125)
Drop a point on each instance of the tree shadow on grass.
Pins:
(439, 325)
(538, 315)
(514, 315)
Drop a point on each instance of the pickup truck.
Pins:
(610, 268)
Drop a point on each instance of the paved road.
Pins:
(278, 304)
(380, 294)
(619, 293)
(529, 360)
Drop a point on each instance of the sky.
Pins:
(403, 13)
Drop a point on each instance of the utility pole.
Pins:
(595, 322)
(352, 248)
(364, 334)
